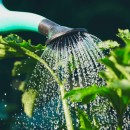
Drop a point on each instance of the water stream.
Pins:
(73, 58)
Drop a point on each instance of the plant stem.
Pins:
(120, 123)
(67, 113)
(68, 117)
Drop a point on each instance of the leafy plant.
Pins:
(85, 123)
(14, 46)
(117, 76)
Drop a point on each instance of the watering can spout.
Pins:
(19, 21)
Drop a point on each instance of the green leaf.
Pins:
(84, 95)
(111, 68)
(85, 123)
(15, 39)
(108, 75)
(8, 52)
(124, 86)
(88, 98)
(28, 100)
(117, 70)
(120, 68)
(22, 69)
(124, 35)
(109, 44)
(11, 46)
(21, 86)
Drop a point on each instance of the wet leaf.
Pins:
(124, 35)
(111, 67)
(85, 123)
(15, 39)
(11, 46)
(108, 75)
(84, 95)
(22, 86)
(28, 100)
(109, 44)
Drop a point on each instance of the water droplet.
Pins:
(18, 74)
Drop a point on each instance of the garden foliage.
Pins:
(116, 75)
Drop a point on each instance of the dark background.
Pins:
(101, 18)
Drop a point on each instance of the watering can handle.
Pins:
(18, 21)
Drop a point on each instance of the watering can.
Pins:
(20, 21)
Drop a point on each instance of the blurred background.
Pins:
(101, 18)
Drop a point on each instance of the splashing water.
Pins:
(73, 58)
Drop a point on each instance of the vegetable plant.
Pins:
(116, 75)
(13, 45)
